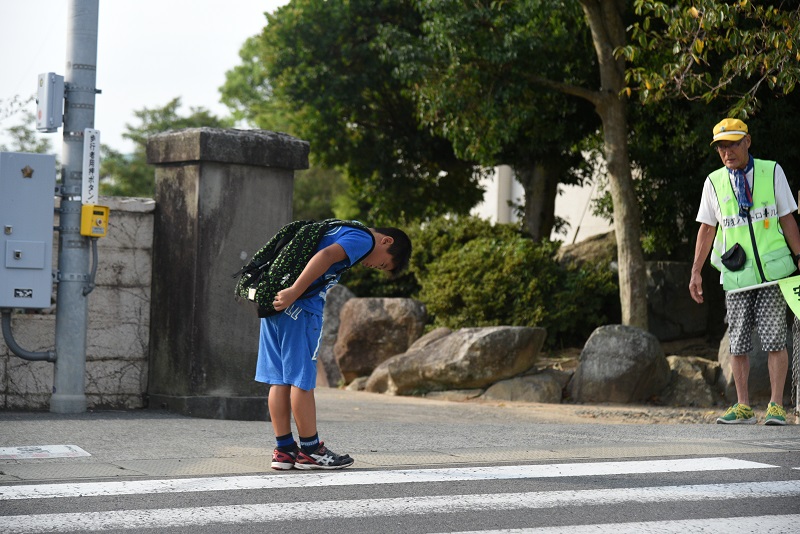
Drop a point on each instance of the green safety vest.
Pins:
(760, 235)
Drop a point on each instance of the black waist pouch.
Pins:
(734, 258)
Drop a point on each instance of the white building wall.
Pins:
(572, 205)
(501, 188)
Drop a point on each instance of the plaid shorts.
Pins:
(763, 308)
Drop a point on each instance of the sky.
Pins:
(148, 52)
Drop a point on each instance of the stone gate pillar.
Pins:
(220, 194)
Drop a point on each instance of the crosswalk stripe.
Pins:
(765, 524)
(351, 478)
(445, 504)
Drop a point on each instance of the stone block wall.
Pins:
(118, 325)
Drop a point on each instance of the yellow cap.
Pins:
(729, 130)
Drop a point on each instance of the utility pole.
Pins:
(73, 250)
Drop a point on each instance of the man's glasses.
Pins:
(724, 148)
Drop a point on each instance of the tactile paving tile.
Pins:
(54, 471)
(186, 466)
(610, 451)
(255, 464)
(787, 444)
(376, 459)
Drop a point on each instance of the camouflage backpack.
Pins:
(279, 263)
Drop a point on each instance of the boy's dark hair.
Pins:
(400, 249)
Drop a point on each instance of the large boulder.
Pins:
(434, 335)
(371, 330)
(467, 358)
(620, 364)
(380, 381)
(599, 248)
(693, 382)
(328, 372)
(546, 386)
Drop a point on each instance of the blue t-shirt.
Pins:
(356, 243)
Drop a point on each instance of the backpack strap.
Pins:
(319, 284)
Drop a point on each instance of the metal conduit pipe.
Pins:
(49, 356)
(89, 288)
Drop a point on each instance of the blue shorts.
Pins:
(287, 349)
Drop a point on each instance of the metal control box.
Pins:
(49, 102)
(27, 204)
(94, 220)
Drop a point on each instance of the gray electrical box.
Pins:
(27, 203)
(49, 102)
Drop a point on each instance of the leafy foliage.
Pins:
(684, 96)
(248, 94)
(471, 273)
(471, 72)
(505, 278)
(23, 135)
(705, 48)
(669, 147)
(366, 282)
(316, 69)
(317, 192)
(130, 174)
(429, 241)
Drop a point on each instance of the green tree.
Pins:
(692, 64)
(317, 67)
(129, 174)
(23, 136)
(317, 193)
(468, 72)
(606, 21)
(707, 49)
(247, 92)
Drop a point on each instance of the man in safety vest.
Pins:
(747, 224)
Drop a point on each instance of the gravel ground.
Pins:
(567, 359)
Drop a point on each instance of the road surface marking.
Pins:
(388, 507)
(295, 479)
(765, 524)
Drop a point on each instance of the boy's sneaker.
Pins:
(322, 458)
(282, 460)
(776, 415)
(738, 414)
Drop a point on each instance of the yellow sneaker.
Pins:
(738, 414)
(776, 415)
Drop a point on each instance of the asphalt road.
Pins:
(421, 466)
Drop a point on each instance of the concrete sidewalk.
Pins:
(378, 431)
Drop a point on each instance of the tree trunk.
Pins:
(540, 182)
(605, 19)
(627, 218)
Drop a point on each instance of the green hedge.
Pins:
(470, 273)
